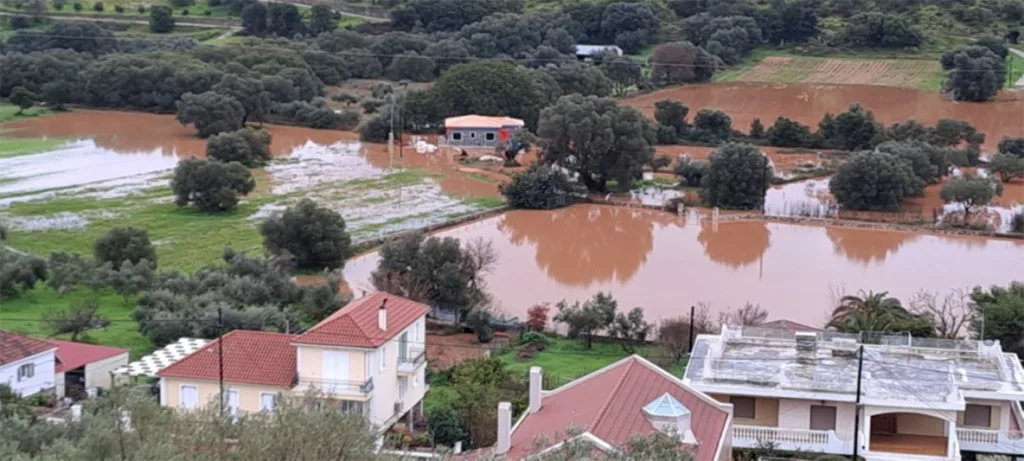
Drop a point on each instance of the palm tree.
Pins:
(876, 312)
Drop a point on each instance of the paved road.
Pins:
(126, 20)
(1020, 82)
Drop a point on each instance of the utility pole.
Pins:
(764, 186)
(693, 310)
(391, 135)
(220, 354)
(856, 409)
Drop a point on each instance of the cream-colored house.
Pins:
(368, 358)
(916, 399)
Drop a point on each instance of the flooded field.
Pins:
(115, 166)
(665, 263)
(808, 103)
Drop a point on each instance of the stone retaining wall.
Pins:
(369, 244)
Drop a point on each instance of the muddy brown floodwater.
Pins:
(808, 103)
(140, 133)
(665, 263)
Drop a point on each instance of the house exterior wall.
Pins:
(97, 374)
(766, 411)
(795, 414)
(474, 136)
(310, 362)
(43, 379)
(386, 381)
(915, 424)
(1000, 414)
(209, 392)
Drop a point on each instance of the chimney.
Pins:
(382, 315)
(504, 428)
(806, 346)
(76, 413)
(535, 388)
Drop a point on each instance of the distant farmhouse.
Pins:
(479, 130)
(589, 51)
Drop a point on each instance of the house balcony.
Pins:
(907, 447)
(351, 390)
(410, 362)
(790, 439)
(990, 441)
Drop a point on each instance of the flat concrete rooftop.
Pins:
(896, 367)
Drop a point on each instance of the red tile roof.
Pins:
(609, 404)
(356, 324)
(15, 347)
(71, 355)
(250, 357)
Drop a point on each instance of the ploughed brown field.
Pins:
(808, 103)
(900, 73)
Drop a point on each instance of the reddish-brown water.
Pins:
(808, 103)
(665, 263)
(132, 132)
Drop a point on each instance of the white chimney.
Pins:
(76, 413)
(535, 388)
(458, 448)
(504, 428)
(382, 315)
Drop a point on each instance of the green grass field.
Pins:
(25, 315)
(25, 146)
(9, 113)
(568, 359)
(1014, 69)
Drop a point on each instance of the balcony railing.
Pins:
(333, 386)
(790, 439)
(970, 435)
(411, 361)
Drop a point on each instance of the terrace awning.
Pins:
(162, 358)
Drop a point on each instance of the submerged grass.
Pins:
(9, 112)
(26, 146)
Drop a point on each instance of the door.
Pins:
(335, 364)
(883, 424)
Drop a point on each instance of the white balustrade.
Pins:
(781, 435)
(977, 435)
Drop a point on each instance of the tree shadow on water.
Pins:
(734, 244)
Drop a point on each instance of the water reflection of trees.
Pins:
(867, 246)
(734, 244)
(581, 245)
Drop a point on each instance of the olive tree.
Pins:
(122, 244)
(872, 180)
(210, 185)
(587, 320)
(681, 62)
(598, 139)
(540, 187)
(246, 146)
(1006, 166)
(737, 177)
(974, 73)
(210, 112)
(970, 192)
(312, 235)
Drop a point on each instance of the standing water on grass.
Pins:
(665, 263)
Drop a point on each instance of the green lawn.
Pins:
(1014, 69)
(24, 315)
(9, 112)
(567, 359)
(25, 146)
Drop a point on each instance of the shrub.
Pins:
(122, 244)
(347, 98)
(313, 235)
(540, 187)
(19, 273)
(1017, 223)
(737, 177)
(59, 4)
(537, 317)
(141, 9)
(246, 146)
(77, 6)
(446, 427)
(375, 129)
(691, 172)
(118, 9)
(660, 162)
(787, 133)
(207, 13)
(480, 322)
(534, 338)
(211, 186)
(875, 181)
(98, 6)
(184, 12)
(371, 105)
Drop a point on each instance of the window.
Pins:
(350, 407)
(188, 398)
(267, 401)
(456, 136)
(403, 387)
(26, 371)
(382, 357)
(489, 136)
(977, 415)
(231, 403)
(742, 407)
(823, 418)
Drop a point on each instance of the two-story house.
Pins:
(368, 358)
(27, 364)
(893, 396)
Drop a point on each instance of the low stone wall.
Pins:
(369, 244)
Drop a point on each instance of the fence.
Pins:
(909, 216)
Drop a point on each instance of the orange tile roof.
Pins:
(14, 347)
(355, 325)
(250, 357)
(481, 121)
(71, 355)
(609, 404)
